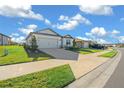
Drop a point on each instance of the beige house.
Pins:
(4, 40)
(47, 38)
(83, 43)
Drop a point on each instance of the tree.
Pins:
(33, 43)
(74, 44)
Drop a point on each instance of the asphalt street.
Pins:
(117, 78)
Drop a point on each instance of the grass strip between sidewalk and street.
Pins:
(52, 78)
(85, 50)
(110, 54)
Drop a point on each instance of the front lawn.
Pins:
(17, 54)
(85, 50)
(110, 54)
(52, 78)
(1, 51)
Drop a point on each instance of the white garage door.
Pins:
(47, 43)
(86, 45)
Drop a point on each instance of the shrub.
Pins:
(33, 43)
(97, 46)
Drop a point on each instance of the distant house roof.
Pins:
(4, 35)
(78, 40)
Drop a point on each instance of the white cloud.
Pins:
(88, 34)
(28, 29)
(14, 34)
(79, 18)
(97, 9)
(97, 31)
(19, 39)
(47, 22)
(68, 25)
(83, 38)
(20, 23)
(32, 26)
(72, 22)
(102, 41)
(63, 18)
(114, 32)
(98, 34)
(24, 11)
(16, 37)
(121, 39)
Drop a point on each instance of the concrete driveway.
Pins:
(62, 54)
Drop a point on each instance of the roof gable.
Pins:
(48, 31)
(67, 36)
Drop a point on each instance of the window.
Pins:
(68, 42)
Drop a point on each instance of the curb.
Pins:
(102, 64)
(86, 79)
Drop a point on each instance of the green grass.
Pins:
(110, 54)
(17, 54)
(52, 78)
(85, 50)
(1, 51)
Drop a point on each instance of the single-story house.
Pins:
(78, 43)
(47, 38)
(83, 43)
(4, 39)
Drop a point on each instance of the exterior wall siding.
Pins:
(44, 41)
(4, 40)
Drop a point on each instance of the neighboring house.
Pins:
(86, 44)
(4, 40)
(47, 38)
(115, 45)
(83, 43)
(119, 45)
(79, 43)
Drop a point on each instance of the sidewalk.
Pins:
(84, 64)
(98, 77)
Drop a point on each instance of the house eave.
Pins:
(5, 35)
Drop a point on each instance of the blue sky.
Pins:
(103, 24)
